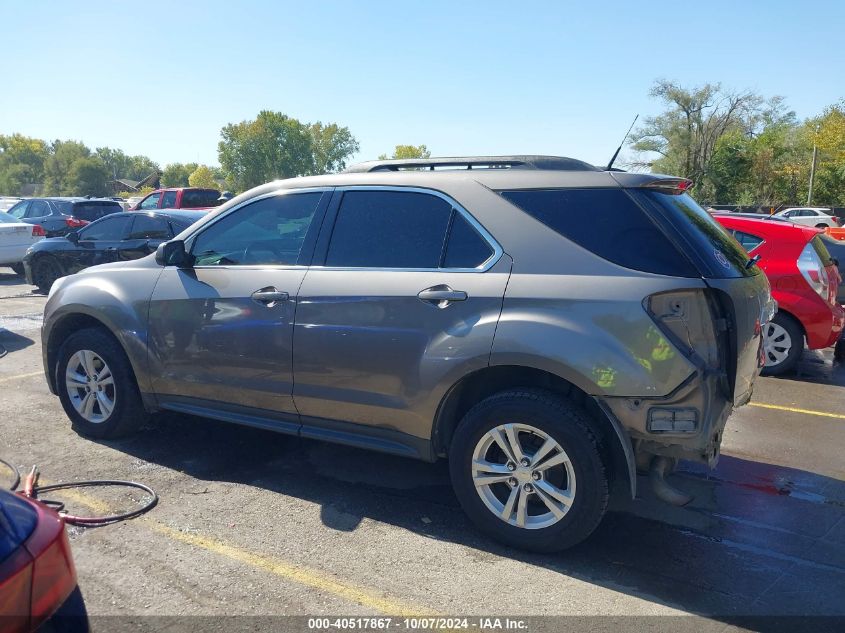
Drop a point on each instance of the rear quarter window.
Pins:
(91, 211)
(608, 223)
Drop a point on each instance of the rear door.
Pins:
(405, 292)
(221, 331)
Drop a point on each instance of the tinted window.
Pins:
(709, 244)
(749, 242)
(608, 223)
(110, 229)
(465, 248)
(38, 209)
(268, 231)
(150, 202)
(168, 200)
(150, 228)
(90, 211)
(389, 229)
(19, 210)
(201, 198)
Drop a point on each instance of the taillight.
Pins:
(75, 223)
(38, 231)
(15, 592)
(813, 270)
(53, 578)
(688, 320)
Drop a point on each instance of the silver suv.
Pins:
(547, 326)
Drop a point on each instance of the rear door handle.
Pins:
(269, 296)
(441, 296)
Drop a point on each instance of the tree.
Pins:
(21, 162)
(203, 176)
(408, 151)
(58, 165)
(120, 165)
(274, 145)
(87, 177)
(177, 174)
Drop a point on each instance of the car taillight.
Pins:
(688, 319)
(75, 223)
(813, 270)
(15, 592)
(38, 231)
(53, 577)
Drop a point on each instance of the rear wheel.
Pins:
(96, 386)
(783, 342)
(527, 470)
(821, 226)
(18, 268)
(45, 271)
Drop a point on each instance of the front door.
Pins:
(221, 330)
(406, 298)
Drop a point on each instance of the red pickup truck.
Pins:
(179, 198)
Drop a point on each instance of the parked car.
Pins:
(118, 237)
(179, 198)
(836, 233)
(534, 319)
(804, 282)
(15, 238)
(60, 216)
(132, 202)
(38, 587)
(836, 248)
(820, 217)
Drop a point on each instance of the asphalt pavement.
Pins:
(256, 523)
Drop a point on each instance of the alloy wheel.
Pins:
(90, 386)
(523, 476)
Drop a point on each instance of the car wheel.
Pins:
(96, 386)
(45, 271)
(783, 342)
(527, 469)
(18, 269)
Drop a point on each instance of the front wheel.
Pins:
(18, 269)
(783, 342)
(527, 469)
(45, 271)
(96, 385)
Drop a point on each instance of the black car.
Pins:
(60, 216)
(120, 236)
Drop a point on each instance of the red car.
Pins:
(804, 280)
(179, 198)
(37, 574)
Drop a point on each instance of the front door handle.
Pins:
(269, 296)
(441, 296)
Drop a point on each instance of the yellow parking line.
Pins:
(276, 566)
(21, 376)
(796, 410)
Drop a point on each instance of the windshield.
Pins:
(718, 255)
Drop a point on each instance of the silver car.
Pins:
(547, 326)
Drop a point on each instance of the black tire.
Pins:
(571, 427)
(18, 268)
(45, 271)
(796, 334)
(128, 414)
(839, 349)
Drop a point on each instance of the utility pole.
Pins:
(813, 169)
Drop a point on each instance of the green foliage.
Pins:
(408, 151)
(87, 177)
(21, 162)
(274, 145)
(203, 176)
(177, 174)
(120, 165)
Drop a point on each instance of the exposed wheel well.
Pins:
(797, 321)
(479, 385)
(64, 328)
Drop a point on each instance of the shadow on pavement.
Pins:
(818, 366)
(11, 342)
(758, 539)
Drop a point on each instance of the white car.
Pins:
(7, 202)
(15, 238)
(819, 217)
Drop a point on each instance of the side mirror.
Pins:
(73, 237)
(173, 253)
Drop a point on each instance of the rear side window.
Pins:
(201, 198)
(465, 248)
(747, 241)
(90, 211)
(709, 244)
(606, 222)
(108, 230)
(389, 229)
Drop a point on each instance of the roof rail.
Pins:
(558, 163)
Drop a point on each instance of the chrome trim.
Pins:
(484, 233)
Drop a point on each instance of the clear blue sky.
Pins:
(162, 77)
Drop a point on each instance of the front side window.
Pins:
(168, 200)
(149, 228)
(389, 229)
(150, 202)
(106, 230)
(270, 231)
